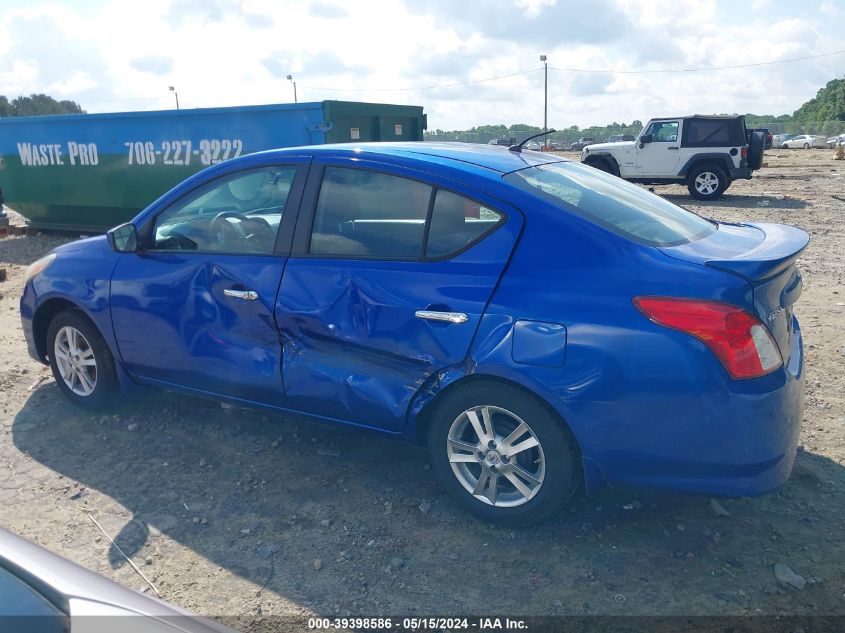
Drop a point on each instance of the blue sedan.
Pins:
(542, 327)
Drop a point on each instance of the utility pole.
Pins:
(175, 94)
(545, 99)
(290, 79)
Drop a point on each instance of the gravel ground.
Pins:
(242, 514)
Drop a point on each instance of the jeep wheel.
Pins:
(707, 182)
(602, 164)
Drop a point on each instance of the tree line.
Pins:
(827, 106)
(36, 105)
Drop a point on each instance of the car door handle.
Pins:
(246, 295)
(448, 317)
(672, 147)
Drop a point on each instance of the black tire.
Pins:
(806, 146)
(709, 173)
(556, 454)
(602, 164)
(756, 147)
(105, 386)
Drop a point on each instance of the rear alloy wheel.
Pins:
(482, 455)
(81, 361)
(707, 182)
(806, 146)
(502, 454)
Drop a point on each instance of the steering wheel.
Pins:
(223, 229)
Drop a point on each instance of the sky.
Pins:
(467, 62)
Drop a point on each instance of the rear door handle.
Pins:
(246, 295)
(448, 317)
(673, 147)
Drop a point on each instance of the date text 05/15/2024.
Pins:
(418, 624)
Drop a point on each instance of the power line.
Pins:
(577, 70)
(533, 70)
(695, 70)
(411, 88)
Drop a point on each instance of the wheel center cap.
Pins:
(493, 458)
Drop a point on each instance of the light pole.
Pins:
(290, 79)
(175, 94)
(545, 98)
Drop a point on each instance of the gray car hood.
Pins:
(88, 593)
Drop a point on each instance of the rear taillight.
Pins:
(744, 152)
(739, 340)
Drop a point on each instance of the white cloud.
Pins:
(123, 56)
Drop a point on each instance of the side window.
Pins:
(238, 213)
(663, 131)
(707, 133)
(363, 213)
(457, 222)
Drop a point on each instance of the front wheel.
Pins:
(602, 164)
(707, 182)
(806, 146)
(502, 454)
(81, 361)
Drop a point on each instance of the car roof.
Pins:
(495, 159)
(699, 116)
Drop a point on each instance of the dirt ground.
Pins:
(236, 513)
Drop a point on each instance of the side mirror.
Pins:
(646, 138)
(123, 238)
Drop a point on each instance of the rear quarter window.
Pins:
(713, 133)
(608, 201)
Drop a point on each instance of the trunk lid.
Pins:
(764, 255)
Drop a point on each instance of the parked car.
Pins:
(617, 138)
(502, 141)
(706, 153)
(541, 326)
(778, 139)
(833, 141)
(533, 145)
(40, 591)
(804, 141)
(581, 143)
(766, 135)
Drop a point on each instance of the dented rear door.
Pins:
(354, 348)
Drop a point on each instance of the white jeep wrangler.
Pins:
(707, 153)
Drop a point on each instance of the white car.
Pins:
(833, 141)
(804, 141)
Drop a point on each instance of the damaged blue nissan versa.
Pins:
(541, 326)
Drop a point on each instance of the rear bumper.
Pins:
(739, 440)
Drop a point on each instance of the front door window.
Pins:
(238, 213)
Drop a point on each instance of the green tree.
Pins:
(37, 105)
(827, 105)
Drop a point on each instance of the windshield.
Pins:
(613, 203)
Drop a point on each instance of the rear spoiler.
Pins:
(781, 246)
